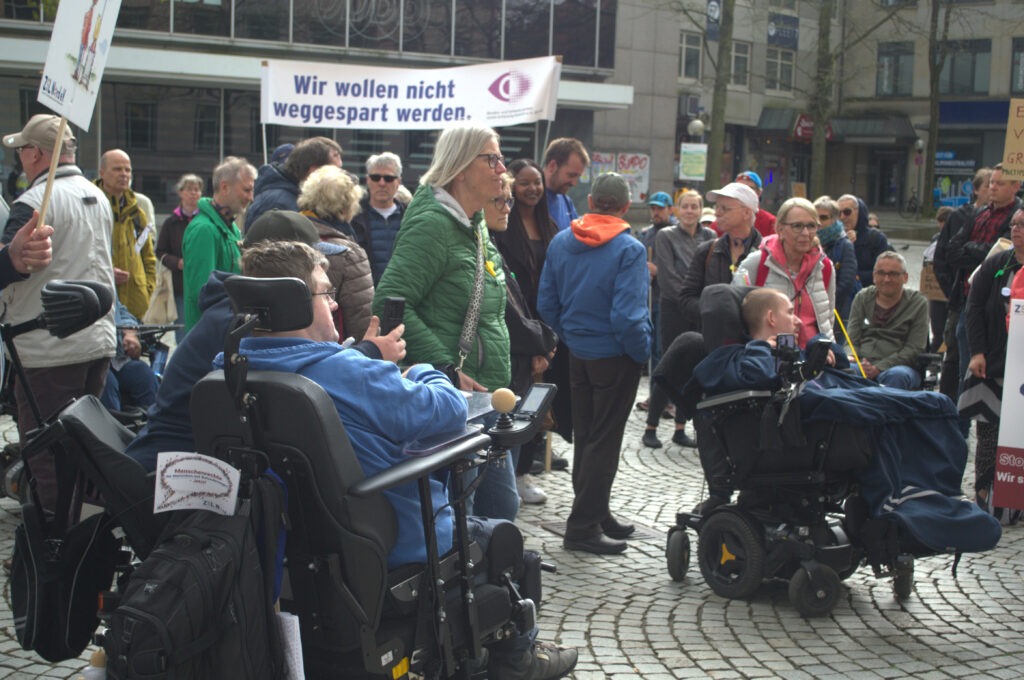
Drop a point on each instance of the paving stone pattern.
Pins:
(630, 620)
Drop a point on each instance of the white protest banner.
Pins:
(78, 53)
(192, 481)
(308, 94)
(1008, 487)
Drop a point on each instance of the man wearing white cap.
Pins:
(736, 207)
(58, 370)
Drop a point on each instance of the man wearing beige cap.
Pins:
(58, 370)
(593, 293)
(736, 207)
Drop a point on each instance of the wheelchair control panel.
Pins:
(519, 424)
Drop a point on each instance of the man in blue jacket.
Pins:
(383, 410)
(593, 293)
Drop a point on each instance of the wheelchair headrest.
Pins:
(71, 306)
(721, 315)
(281, 304)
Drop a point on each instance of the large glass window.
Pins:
(606, 34)
(375, 24)
(527, 28)
(150, 15)
(320, 23)
(477, 29)
(202, 17)
(574, 34)
(895, 74)
(262, 19)
(778, 69)
(967, 67)
(740, 64)
(428, 26)
(783, 4)
(689, 55)
(140, 125)
(1017, 70)
(207, 127)
(28, 10)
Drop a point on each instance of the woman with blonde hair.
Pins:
(792, 261)
(329, 197)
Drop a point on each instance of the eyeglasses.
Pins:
(846, 212)
(493, 159)
(329, 294)
(385, 178)
(502, 202)
(1017, 225)
(879, 274)
(802, 226)
(825, 219)
(27, 146)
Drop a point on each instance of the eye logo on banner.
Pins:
(510, 87)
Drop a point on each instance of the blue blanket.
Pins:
(919, 456)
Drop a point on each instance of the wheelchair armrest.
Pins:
(414, 468)
(733, 397)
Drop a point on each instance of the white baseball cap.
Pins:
(741, 192)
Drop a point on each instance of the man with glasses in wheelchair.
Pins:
(382, 411)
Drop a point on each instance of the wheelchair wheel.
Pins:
(815, 599)
(677, 553)
(731, 555)
(903, 577)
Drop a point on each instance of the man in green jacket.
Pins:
(889, 325)
(212, 238)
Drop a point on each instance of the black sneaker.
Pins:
(544, 662)
(682, 439)
(650, 439)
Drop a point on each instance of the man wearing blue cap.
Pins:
(765, 221)
(660, 204)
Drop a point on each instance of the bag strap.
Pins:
(762, 269)
(469, 326)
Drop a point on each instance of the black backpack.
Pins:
(201, 605)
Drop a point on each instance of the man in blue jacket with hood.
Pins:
(593, 293)
(869, 243)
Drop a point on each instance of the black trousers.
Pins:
(602, 399)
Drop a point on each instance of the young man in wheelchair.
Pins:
(382, 410)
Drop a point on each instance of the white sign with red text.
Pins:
(1008, 488)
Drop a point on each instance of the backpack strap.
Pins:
(762, 269)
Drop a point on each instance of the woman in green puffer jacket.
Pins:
(433, 265)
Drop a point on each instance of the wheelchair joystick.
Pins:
(503, 401)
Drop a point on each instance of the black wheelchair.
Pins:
(798, 517)
(357, 618)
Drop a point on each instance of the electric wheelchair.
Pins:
(807, 510)
(357, 618)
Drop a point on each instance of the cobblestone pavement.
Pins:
(630, 620)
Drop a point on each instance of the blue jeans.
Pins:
(131, 385)
(903, 377)
(496, 497)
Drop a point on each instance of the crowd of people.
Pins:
(504, 284)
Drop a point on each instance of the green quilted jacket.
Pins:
(433, 267)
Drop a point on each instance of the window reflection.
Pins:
(150, 15)
(527, 28)
(262, 19)
(202, 17)
(320, 22)
(375, 24)
(478, 29)
(575, 23)
(428, 26)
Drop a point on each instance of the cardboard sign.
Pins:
(1013, 149)
(1008, 488)
(78, 52)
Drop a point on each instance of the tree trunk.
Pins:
(821, 100)
(723, 73)
(936, 60)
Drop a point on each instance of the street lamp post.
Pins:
(919, 161)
